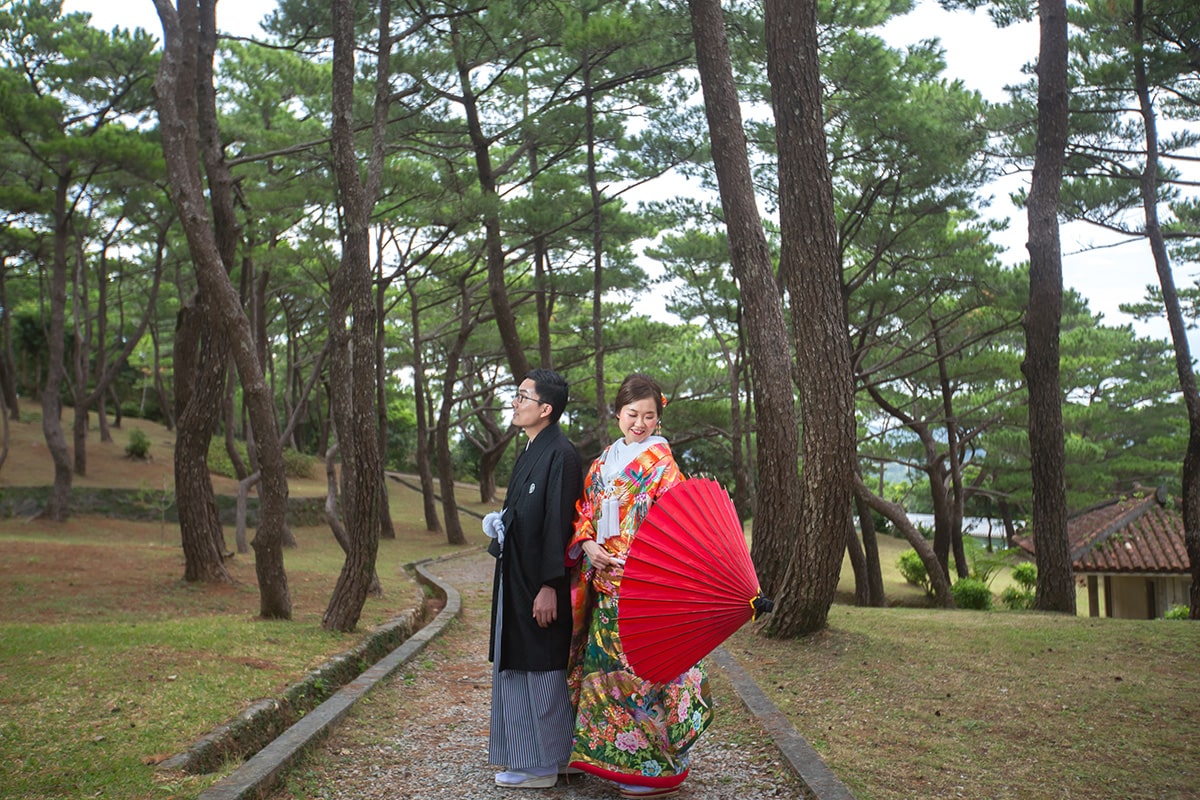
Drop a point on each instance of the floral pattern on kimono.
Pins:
(626, 729)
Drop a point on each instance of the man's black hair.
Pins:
(551, 388)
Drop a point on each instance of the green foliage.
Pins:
(218, 460)
(972, 593)
(295, 464)
(1177, 612)
(1015, 599)
(139, 444)
(465, 456)
(401, 430)
(912, 568)
(983, 565)
(1025, 574)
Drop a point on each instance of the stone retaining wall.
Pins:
(147, 505)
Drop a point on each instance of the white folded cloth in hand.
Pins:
(493, 526)
(609, 523)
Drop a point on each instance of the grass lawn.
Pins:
(109, 663)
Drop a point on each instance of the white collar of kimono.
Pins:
(620, 454)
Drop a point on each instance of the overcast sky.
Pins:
(983, 57)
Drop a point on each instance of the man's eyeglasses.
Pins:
(520, 397)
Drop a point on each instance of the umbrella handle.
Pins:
(761, 605)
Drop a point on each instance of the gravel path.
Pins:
(423, 734)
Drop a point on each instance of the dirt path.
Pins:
(423, 735)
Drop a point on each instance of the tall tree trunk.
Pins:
(953, 460)
(102, 348)
(5, 435)
(540, 257)
(491, 452)
(599, 322)
(875, 594)
(899, 518)
(8, 369)
(1043, 320)
(858, 562)
(1175, 320)
(81, 316)
(424, 465)
(386, 529)
(187, 115)
(201, 351)
(454, 531)
(777, 507)
(52, 429)
(353, 367)
(506, 322)
(811, 266)
(445, 459)
(165, 404)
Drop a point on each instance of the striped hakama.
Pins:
(532, 722)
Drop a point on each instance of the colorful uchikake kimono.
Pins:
(627, 730)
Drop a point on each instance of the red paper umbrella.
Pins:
(688, 582)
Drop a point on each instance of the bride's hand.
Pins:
(600, 558)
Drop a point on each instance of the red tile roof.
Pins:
(1134, 534)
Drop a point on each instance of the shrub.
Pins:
(139, 444)
(295, 463)
(983, 564)
(972, 593)
(218, 459)
(1176, 612)
(1025, 574)
(912, 569)
(1015, 599)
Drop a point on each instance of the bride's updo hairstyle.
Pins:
(638, 386)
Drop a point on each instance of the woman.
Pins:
(627, 730)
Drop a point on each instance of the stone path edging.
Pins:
(255, 777)
(259, 773)
(796, 751)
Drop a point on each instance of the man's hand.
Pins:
(545, 606)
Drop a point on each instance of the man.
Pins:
(532, 722)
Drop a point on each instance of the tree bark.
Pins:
(454, 531)
(52, 429)
(424, 465)
(386, 529)
(1175, 321)
(875, 594)
(81, 317)
(187, 107)
(506, 322)
(164, 402)
(777, 505)
(1043, 320)
(8, 369)
(743, 483)
(858, 562)
(810, 264)
(200, 354)
(599, 322)
(353, 367)
(897, 516)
